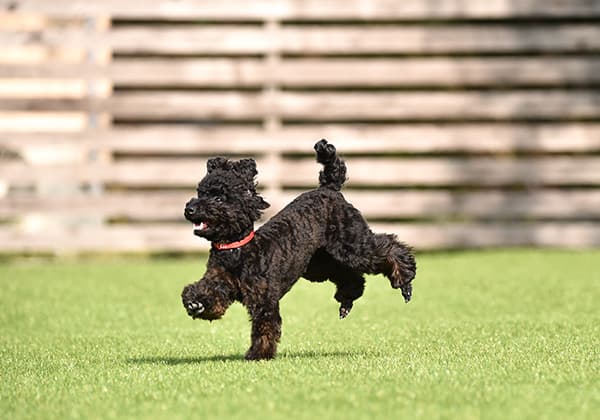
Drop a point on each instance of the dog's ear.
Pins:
(246, 168)
(215, 163)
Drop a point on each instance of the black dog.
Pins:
(318, 236)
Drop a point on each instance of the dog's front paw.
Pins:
(194, 309)
(191, 303)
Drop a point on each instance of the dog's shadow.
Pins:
(174, 360)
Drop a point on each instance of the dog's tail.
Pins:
(333, 174)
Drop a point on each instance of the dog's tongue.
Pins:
(199, 226)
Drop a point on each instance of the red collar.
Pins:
(234, 245)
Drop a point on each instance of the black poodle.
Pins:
(318, 236)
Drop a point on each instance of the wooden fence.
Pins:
(464, 123)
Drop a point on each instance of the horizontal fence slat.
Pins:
(19, 22)
(491, 71)
(465, 235)
(22, 22)
(184, 72)
(38, 54)
(53, 88)
(419, 138)
(130, 205)
(365, 139)
(219, 105)
(438, 72)
(211, 40)
(442, 105)
(572, 204)
(49, 121)
(319, 106)
(36, 88)
(52, 37)
(438, 39)
(98, 239)
(457, 171)
(179, 237)
(306, 39)
(148, 172)
(52, 70)
(437, 204)
(309, 9)
(353, 40)
(477, 171)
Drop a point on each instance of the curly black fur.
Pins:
(318, 236)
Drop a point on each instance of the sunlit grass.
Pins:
(499, 334)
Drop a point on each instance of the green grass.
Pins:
(493, 335)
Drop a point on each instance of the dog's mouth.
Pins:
(200, 227)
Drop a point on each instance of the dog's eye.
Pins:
(219, 198)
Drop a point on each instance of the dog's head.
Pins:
(227, 204)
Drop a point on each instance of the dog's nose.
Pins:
(190, 210)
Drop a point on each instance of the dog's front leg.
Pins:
(266, 331)
(209, 297)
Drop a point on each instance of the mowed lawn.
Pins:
(495, 335)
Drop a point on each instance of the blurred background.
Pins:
(464, 123)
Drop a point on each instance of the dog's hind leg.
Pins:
(320, 267)
(350, 286)
(361, 250)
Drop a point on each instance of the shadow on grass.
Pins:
(171, 360)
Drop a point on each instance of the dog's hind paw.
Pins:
(344, 311)
(194, 309)
(406, 291)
